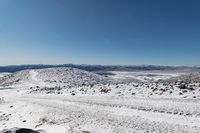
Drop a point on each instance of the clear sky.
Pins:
(127, 32)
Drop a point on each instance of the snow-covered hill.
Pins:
(51, 77)
(79, 82)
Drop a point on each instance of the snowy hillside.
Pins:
(187, 78)
(51, 77)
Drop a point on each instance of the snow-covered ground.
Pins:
(75, 114)
(143, 76)
(3, 74)
(74, 101)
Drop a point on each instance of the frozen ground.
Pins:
(96, 108)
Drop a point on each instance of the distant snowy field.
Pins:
(3, 74)
(143, 76)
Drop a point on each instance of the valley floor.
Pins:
(98, 114)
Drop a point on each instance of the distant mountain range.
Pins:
(15, 68)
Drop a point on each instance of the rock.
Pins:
(20, 130)
(155, 89)
(184, 91)
(179, 82)
(183, 86)
(105, 90)
(86, 132)
(73, 94)
(191, 88)
(133, 94)
(23, 130)
(180, 93)
(163, 90)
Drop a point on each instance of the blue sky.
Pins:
(127, 32)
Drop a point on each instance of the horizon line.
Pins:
(100, 65)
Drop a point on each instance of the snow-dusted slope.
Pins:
(187, 78)
(51, 77)
(78, 82)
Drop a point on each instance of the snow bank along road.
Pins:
(93, 114)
